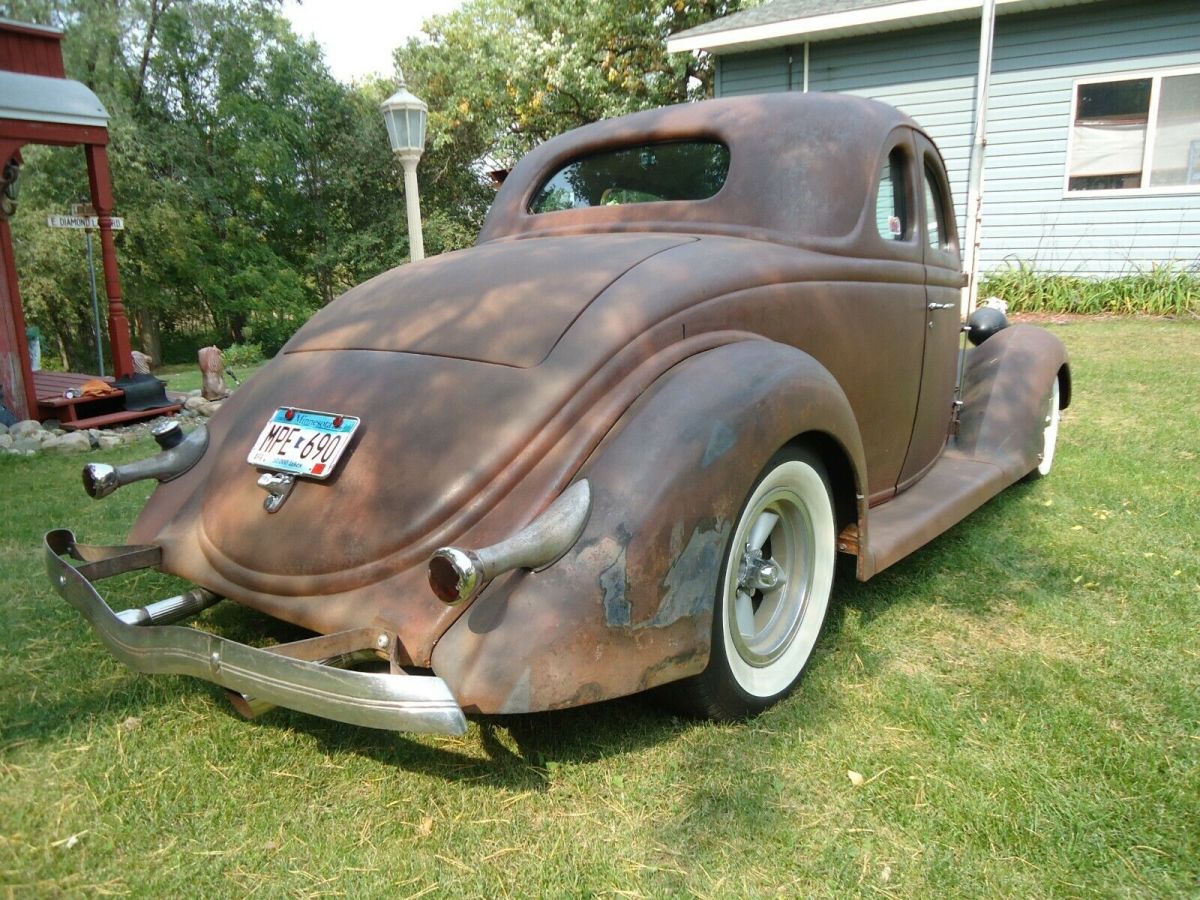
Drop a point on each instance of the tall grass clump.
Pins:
(1164, 290)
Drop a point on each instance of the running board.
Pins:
(1006, 385)
(955, 487)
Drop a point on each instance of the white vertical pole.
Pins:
(806, 67)
(974, 223)
(416, 239)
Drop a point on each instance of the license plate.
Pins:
(303, 442)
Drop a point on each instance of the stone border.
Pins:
(30, 437)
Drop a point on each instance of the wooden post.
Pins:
(16, 376)
(102, 198)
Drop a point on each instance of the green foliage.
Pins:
(1166, 290)
(1021, 697)
(243, 355)
(501, 76)
(254, 186)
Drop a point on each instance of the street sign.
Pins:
(118, 224)
(86, 220)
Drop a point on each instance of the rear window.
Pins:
(682, 170)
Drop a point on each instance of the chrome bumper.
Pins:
(395, 702)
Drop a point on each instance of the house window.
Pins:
(1136, 133)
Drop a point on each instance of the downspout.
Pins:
(806, 67)
(970, 293)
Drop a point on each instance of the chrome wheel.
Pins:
(778, 576)
(771, 599)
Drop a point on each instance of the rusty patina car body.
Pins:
(646, 363)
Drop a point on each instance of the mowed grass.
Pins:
(1021, 699)
(184, 377)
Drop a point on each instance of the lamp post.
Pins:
(405, 115)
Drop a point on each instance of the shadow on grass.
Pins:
(522, 751)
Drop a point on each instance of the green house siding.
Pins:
(764, 71)
(930, 73)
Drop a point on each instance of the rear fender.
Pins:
(630, 605)
(1006, 385)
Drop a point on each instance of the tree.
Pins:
(255, 186)
(500, 76)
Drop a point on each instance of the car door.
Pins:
(872, 338)
(943, 320)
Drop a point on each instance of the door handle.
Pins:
(934, 306)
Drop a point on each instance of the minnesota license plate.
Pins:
(303, 442)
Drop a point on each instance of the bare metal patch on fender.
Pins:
(691, 583)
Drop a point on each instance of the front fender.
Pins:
(1006, 385)
(630, 605)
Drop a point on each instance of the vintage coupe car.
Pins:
(696, 354)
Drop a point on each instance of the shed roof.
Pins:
(784, 22)
(37, 98)
(29, 27)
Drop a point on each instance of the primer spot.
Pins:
(720, 442)
(618, 611)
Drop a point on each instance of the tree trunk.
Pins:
(149, 334)
(237, 327)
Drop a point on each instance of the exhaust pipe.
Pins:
(457, 575)
(101, 479)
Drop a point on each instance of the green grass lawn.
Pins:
(185, 377)
(1021, 697)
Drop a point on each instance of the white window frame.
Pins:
(1156, 76)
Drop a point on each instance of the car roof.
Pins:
(801, 169)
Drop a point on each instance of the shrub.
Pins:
(246, 354)
(1165, 290)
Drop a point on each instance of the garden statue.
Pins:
(212, 370)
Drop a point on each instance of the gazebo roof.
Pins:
(37, 98)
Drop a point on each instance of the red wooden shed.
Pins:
(40, 105)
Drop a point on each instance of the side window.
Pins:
(891, 200)
(935, 212)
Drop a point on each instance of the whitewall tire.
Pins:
(774, 590)
(1049, 434)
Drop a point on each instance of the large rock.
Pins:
(3, 429)
(194, 402)
(75, 442)
(25, 428)
(26, 444)
(6, 441)
(108, 441)
(208, 407)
